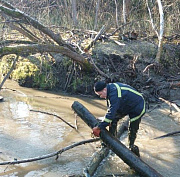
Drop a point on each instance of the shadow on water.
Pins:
(25, 134)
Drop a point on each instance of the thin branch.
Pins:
(170, 104)
(150, 15)
(70, 75)
(102, 30)
(51, 154)
(98, 70)
(147, 67)
(129, 23)
(10, 71)
(55, 116)
(76, 121)
(168, 134)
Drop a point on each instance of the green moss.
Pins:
(33, 72)
(6, 64)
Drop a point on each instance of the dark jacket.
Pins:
(123, 100)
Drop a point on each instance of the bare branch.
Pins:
(150, 15)
(10, 71)
(55, 116)
(98, 70)
(102, 30)
(50, 155)
(168, 134)
(170, 104)
(15, 13)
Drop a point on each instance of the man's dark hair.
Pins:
(98, 86)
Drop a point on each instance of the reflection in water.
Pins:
(19, 110)
(25, 134)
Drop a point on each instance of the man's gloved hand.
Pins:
(96, 131)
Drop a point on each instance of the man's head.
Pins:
(100, 89)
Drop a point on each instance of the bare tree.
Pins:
(151, 18)
(117, 17)
(124, 11)
(74, 13)
(96, 16)
(161, 31)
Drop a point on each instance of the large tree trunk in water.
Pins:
(115, 145)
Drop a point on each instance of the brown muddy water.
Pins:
(26, 134)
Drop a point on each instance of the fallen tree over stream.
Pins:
(115, 145)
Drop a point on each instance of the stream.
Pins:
(27, 134)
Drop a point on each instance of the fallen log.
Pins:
(102, 153)
(115, 145)
(95, 161)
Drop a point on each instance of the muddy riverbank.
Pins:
(26, 134)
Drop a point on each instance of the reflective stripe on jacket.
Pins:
(124, 100)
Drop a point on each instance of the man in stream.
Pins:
(122, 100)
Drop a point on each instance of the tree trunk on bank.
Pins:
(74, 13)
(115, 145)
(161, 31)
(40, 48)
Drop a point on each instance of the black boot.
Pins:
(135, 150)
(113, 129)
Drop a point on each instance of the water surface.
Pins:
(26, 134)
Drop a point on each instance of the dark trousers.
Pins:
(132, 129)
